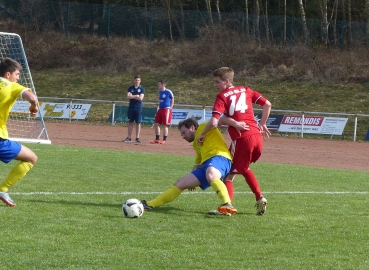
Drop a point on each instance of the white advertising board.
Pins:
(64, 110)
(21, 108)
(182, 114)
(313, 124)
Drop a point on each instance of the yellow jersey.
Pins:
(214, 145)
(9, 92)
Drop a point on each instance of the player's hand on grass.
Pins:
(192, 189)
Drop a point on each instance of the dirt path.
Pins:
(310, 152)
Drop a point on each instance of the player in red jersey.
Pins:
(235, 102)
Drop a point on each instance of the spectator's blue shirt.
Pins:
(164, 98)
(133, 103)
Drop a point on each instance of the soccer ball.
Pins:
(132, 208)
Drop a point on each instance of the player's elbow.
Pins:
(30, 97)
(268, 104)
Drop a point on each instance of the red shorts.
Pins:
(244, 151)
(163, 117)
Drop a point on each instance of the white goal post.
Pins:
(21, 126)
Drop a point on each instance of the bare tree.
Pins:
(173, 17)
(182, 20)
(208, 7)
(167, 4)
(266, 21)
(349, 26)
(218, 10)
(303, 19)
(247, 17)
(335, 11)
(257, 20)
(62, 22)
(326, 21)
(325, 24)
(285, 22)
(367, 20)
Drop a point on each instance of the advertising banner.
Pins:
(181, 114)
(313, 124)
(273, 121)
(367, 136)
(21, 108)
(148, 115)
(64, 110)
(120, 115)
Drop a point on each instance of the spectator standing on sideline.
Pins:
(164, 114)
(236, 102)
(10, 91)
(135, 94)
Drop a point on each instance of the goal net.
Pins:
(21, 126)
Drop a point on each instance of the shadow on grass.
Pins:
(78, 203)
(168, 210)
(165, 209)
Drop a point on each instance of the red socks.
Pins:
(229, 185)
(253, 183)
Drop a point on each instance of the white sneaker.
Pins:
(4, 196)
(261, 205)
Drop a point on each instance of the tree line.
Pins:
(332, 14)
(313, 9)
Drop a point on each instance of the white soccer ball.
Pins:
(132, 208)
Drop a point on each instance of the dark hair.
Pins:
(137, 77)
(188, 123)
(9, 65)
(162, 82)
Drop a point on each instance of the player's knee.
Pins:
(33, 159)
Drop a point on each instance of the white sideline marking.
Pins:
(189, 193)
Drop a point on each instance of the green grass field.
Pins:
(68, 216)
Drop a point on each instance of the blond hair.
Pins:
(224, 73)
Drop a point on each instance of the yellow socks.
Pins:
(221, 190)
(16, 174)
(167, 196)
(172, 193)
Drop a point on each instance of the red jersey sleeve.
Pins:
(219, 107)
(258, 98)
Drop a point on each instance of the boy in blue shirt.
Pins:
(164, 114)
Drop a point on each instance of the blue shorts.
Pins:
(218, 162)
(134, 115)
(9, 150)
